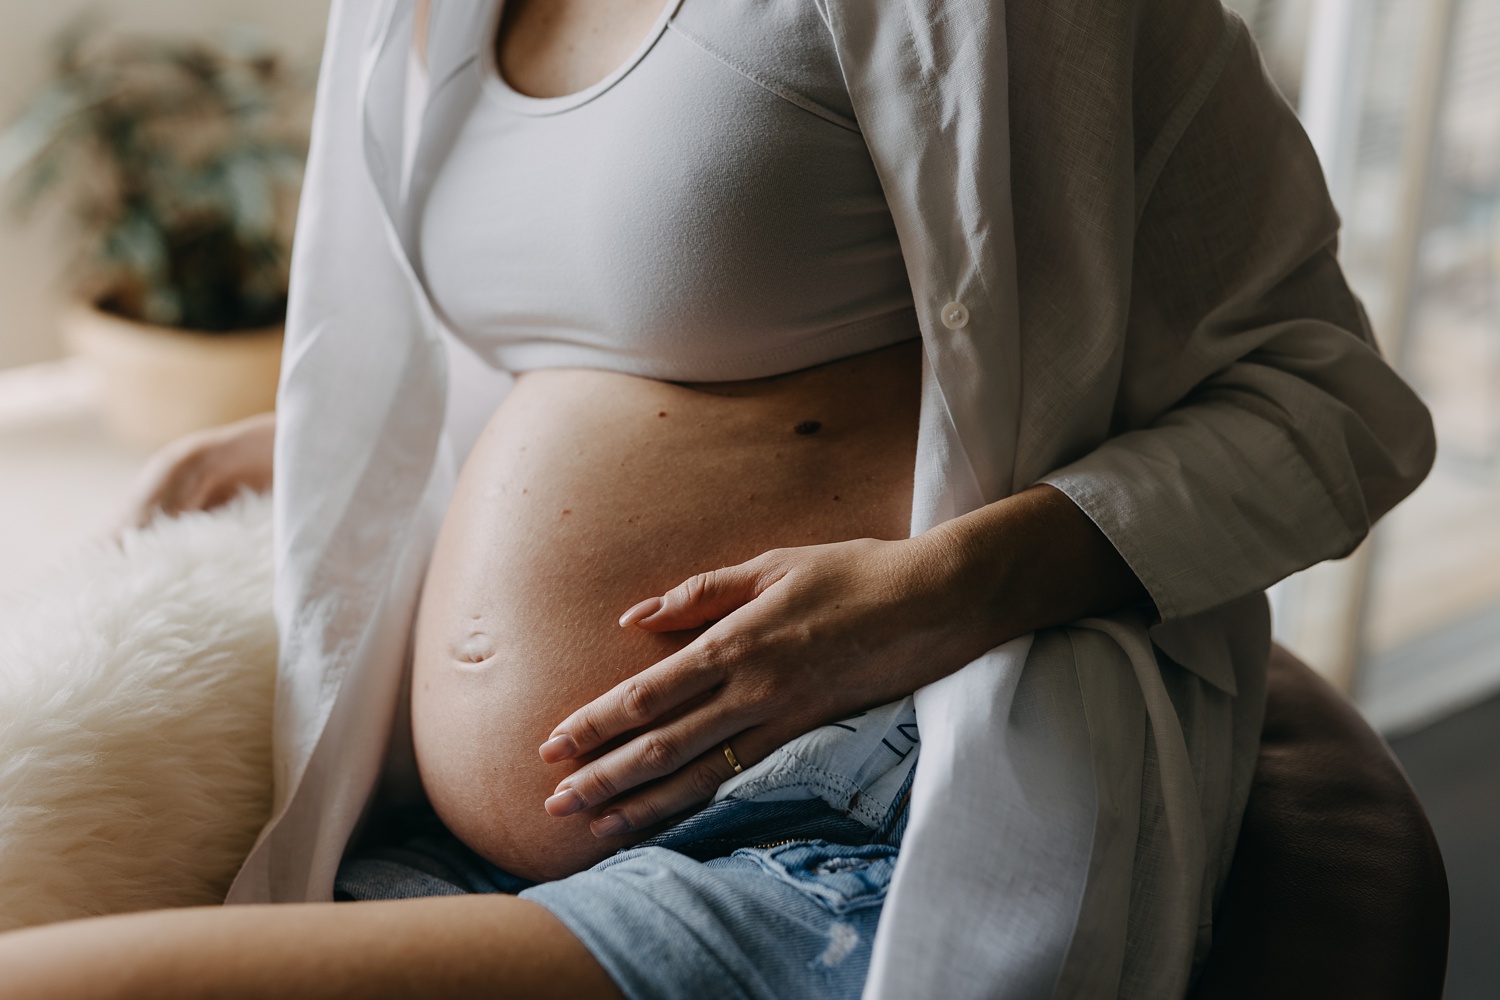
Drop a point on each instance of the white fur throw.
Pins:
(136, 685)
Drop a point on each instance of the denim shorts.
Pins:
(766, 898)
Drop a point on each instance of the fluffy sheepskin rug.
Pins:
(136, 685)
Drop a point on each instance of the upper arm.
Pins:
(1258, 430)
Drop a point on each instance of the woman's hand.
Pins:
(204, 470)
(805, 636)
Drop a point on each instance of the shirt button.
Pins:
(955, 316)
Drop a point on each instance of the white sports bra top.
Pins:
(706, 212)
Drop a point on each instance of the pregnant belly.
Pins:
(589, 491)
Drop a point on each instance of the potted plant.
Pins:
(180, 161)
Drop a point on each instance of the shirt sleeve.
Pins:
(359, 423)
(1259, 430)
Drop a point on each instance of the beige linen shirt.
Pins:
(1123, 260)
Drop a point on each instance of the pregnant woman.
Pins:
(856, 584)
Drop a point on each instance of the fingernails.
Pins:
(641, 611)
(609, 825)
(559, 747)
(564, 803)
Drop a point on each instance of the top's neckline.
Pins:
(498, 87)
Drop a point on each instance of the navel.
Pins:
(474, 649)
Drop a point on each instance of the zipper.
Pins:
(905, 797)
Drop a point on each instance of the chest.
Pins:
(708, 199)
(549, 48)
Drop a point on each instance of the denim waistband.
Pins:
(733, 823)
(418, 856)
(845, 783)
(860, 766)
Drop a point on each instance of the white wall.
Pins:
(33, 258)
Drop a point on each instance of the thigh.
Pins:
(415, 948)
(790, 921)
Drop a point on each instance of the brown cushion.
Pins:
(1337, 887)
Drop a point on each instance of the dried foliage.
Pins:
(180, 161)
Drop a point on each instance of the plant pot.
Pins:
(159, 383)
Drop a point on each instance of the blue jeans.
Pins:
(770, 900)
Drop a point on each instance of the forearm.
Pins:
(803, 636)
(246, 449)
(1030, 561)
(440, 946)
(203, 470)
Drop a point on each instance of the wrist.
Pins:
(243, 452)
(1032, 560)
(962, 564)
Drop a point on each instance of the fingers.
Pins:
(637, 701)
(704, 598)
(203, 470)
(692, 786)
(148, 496)
(652, 755)
(167, 483)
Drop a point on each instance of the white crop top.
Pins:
(706, 212)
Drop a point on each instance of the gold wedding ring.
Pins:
(734, 761)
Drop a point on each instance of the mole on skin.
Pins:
(808, 427)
